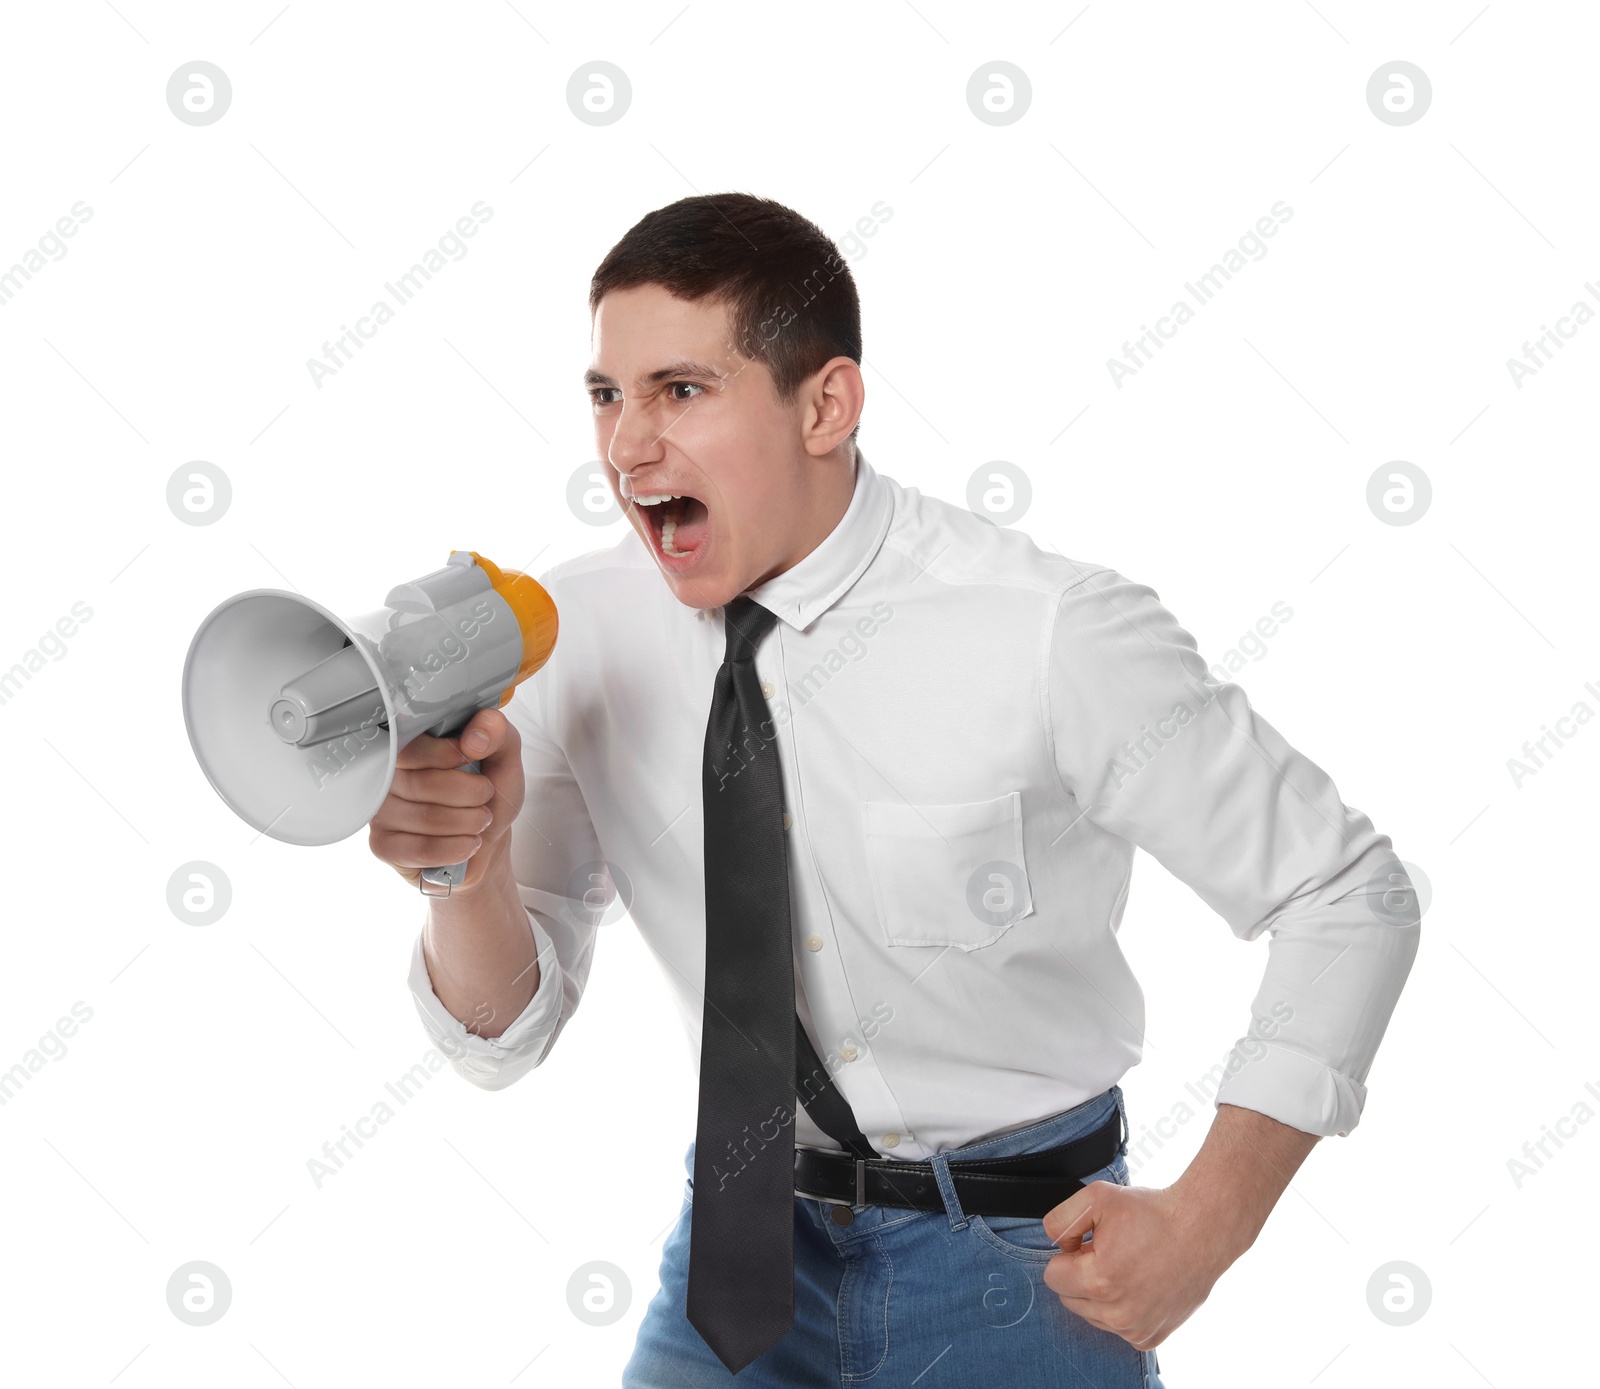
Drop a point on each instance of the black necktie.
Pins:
(756, 1060)
(741, 1237)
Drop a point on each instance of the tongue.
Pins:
(693, 519)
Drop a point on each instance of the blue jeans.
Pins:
(942, 1298)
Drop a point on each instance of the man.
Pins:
(901, 841)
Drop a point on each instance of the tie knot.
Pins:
(746, 622)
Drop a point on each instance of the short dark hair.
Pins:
(792, 302)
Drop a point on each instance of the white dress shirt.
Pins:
(974, 735)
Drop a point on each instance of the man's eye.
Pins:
(687, 385)
(598, 394)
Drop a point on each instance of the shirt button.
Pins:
(768, 689)
(788, 819)
(891, 1140)
(813, 942)
(848, 1052)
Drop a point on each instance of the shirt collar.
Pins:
(803, 592)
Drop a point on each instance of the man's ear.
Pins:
(833, 398)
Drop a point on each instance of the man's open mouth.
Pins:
(679, 523)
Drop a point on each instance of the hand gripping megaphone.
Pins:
(297, 716)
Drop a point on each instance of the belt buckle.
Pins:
(861, 1177)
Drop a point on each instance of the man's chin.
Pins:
(703, 585)
(699, 591)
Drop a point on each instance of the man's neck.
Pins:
(841, 485)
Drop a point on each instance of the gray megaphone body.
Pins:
(297, 715)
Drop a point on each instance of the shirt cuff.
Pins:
(492, 1063)
(1293, 1089)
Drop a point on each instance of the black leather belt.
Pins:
(1027, 1184)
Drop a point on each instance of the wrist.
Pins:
(488, 877)
(1229, 1189)
(1218, 1217)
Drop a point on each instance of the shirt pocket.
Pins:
(947, 874)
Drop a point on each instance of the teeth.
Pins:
(669, 522)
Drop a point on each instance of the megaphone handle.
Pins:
(437, 882)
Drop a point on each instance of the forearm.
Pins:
(1242, 1168)
(480, 951)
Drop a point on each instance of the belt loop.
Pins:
(940, 1163)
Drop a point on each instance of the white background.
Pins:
(1230, 474)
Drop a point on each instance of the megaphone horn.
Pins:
(297, 716)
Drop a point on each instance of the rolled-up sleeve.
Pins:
(494, 1062)
(556, 861)
(1158, 751)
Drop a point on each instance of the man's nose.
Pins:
(635, 441)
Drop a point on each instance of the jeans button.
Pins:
(843, 1215)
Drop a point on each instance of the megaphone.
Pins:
(297, 716)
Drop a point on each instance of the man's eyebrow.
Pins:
(672, 371)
